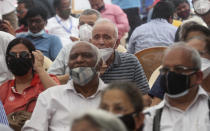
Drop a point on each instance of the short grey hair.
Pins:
(91, 12)
(95, 49)
(107, 21)
(103, 120)
(193, 53)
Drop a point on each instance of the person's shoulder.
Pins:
(151, 111)
(55, 91)
(51, 20)
(22, 35)
(127, 56)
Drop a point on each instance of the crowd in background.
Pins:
(67, 71)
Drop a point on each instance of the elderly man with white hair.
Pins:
(82, 92)
(185, 105)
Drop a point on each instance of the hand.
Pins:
(38, 60)
(74, 38)
(7, 27)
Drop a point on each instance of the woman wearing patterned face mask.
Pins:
(30, 78)
(124, 100)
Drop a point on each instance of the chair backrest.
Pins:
(150, 59)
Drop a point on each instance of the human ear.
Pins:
(117, 44)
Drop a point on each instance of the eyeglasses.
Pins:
(178, 69)
(23, 54)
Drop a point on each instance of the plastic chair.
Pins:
(151, 59)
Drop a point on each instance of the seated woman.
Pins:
(30, 78)
(125, 100)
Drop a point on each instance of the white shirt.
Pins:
(7, 6)
(194, 118)
(59, 27)
(60, 64)
(5, 74)
(57, 106)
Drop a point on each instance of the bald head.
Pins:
(182, 55)
(84, 54)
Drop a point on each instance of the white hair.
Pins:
(105, 121)
(193, 53)
(95, 49)
(106, 21)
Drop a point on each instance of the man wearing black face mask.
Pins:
(185, 105)
(62, 24)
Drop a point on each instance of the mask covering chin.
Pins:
(65, 13)
(175, 85)
(85, 32)
(106, 53)
(128, 121)
(36, 34)
(19, 66)
(82, 75)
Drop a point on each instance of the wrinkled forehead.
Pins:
(82, 48)
(104, 28)
(177, 57)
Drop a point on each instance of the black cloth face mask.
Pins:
(175, 84)
(19, 66)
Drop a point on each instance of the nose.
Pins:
(101, 43)
(79, 59)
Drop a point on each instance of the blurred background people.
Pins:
(114, 13)
(157, 32)
(63, 25)
(48, 44)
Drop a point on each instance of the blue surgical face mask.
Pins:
(36, 34)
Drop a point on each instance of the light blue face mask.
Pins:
(36, 34)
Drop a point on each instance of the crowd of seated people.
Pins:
(92, 83)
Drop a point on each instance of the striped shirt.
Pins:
(126, 67)
(3, 117)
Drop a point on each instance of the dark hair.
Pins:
(164, 10)
(35, 11)
(195, 27)
(23, 41)
(28, 3)
(178, 2)
(130, 89)
(57, 3)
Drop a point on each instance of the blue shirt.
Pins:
(3, 117)
(157, 32)
(49, 45)
(126, 4)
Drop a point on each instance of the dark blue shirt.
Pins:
(156, 90)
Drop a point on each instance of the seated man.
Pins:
(185, 105)
(117, 66)
(49, 45)
(60, 66)
(62, 24)
(158, 32)
(56, 106)
(114, 13)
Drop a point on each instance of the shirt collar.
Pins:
(201, 93)
(101, 87)
(45, 35)
(159, 20)
(117, 59)
(60, 19)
